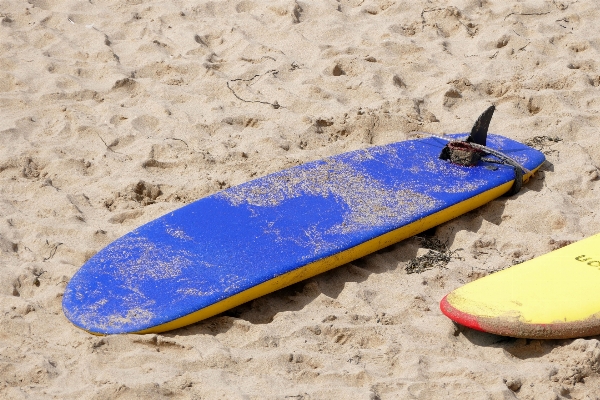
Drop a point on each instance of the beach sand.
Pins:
(113, 113)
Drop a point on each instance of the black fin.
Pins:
(480, 129)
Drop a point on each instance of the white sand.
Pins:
(97, 96)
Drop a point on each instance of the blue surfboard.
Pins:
(252, 239)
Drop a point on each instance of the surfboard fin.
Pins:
(480, 129)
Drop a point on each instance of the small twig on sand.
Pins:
(109, 148)
(515, 13)
(181, 140)
(275, 105)
(52, 252)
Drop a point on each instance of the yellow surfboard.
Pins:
(554, 296)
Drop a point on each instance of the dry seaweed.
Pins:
(438, 256)
(543, 143)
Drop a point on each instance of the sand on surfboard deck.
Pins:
(554, 296)
(252, 239)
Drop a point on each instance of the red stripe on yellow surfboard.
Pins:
(336, 260)
(456, 315)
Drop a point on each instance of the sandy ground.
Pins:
(113, 113)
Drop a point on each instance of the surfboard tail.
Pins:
(465, 152)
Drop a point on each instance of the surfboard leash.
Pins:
(503, 159)
(468, 154)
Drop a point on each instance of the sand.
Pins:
(113, 113)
